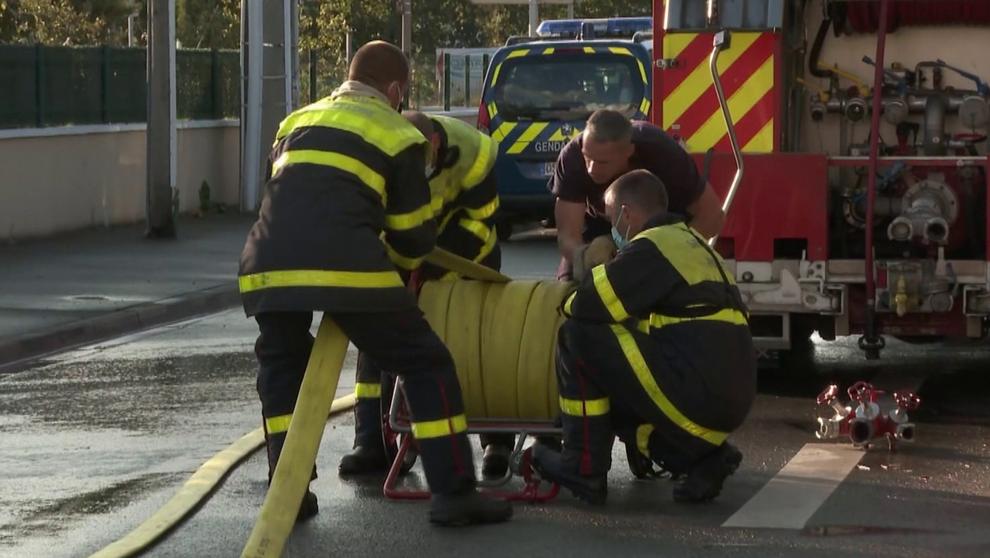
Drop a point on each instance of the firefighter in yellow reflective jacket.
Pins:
(347, 187)
(656, 349)
(464, 202)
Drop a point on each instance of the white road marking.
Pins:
(790, 498)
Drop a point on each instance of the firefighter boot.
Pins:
(704, 481)
(466, 507)
(309, 505)
(592, 489)
(368, 456)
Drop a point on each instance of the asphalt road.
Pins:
(96, 439)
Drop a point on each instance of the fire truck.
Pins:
(862, 129)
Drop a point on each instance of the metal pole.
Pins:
(570, 10)
(251, 109)
(287, 52)
(349, 46)
(467, 80)
(722, 42)
(871, 343)
(312, 75)
(161, 119)
(130, 29)
(534, 16)
(407, 27)
(446, 81)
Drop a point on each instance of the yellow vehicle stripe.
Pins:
(620, 50)
(642, 70)
(675, 43)
(644, 107)
(589, 50)
(762, 142)
(740, 103)
(649, 383)
(527, 136)
(502, 131)
(548, 51)
(700, 79)
(517, 53)
(495, 74)
(319, 278)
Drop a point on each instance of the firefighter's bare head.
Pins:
(633, 199)
(607, 145)
(383, 66)
(426, 127)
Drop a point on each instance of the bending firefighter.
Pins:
(347, 186)
(656, 349)
(464, 201)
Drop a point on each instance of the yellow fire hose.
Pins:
(501, 335)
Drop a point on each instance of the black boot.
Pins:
(549, 465)
(308, 508)
(466, 508)
(704, 481)
(363, 460)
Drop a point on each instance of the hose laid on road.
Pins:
(197, 489)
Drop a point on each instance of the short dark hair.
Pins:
(640, 189)
(607, 126)
(378, 64)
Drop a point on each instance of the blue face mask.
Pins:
(619, 240)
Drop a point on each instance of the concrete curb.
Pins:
(120, 322)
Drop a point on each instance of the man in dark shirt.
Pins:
(609, 147)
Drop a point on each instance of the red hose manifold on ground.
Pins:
(864, 17)
(866, 422)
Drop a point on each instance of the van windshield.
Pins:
(567, 86)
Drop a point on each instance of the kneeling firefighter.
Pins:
(464, 202)
(656, 349)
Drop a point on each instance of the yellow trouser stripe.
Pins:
(439, 428)
(643, 438)
(584, 408)
(319, 278)
(410, 220)
(350, 165)
(649, 383)
(744, 99)
(700, 79)
(483, 212)
(607, 294)
(729, 315)
(402, 261)
(527, 136)
(363, 390)
(279, 424)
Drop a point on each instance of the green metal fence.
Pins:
(56, 86)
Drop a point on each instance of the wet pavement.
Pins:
(96, 439)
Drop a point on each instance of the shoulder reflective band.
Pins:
(681, 248)
(277, 425)
(649, 383)
(643, 433)
(484, 211)
(729, 316)
(410, 220)
(580, 408)
(364, 390)
(319, 278)
(350, 165)
(605, 292)
(402, 261)
(367, 118)
(487, 152)
(439, 428)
